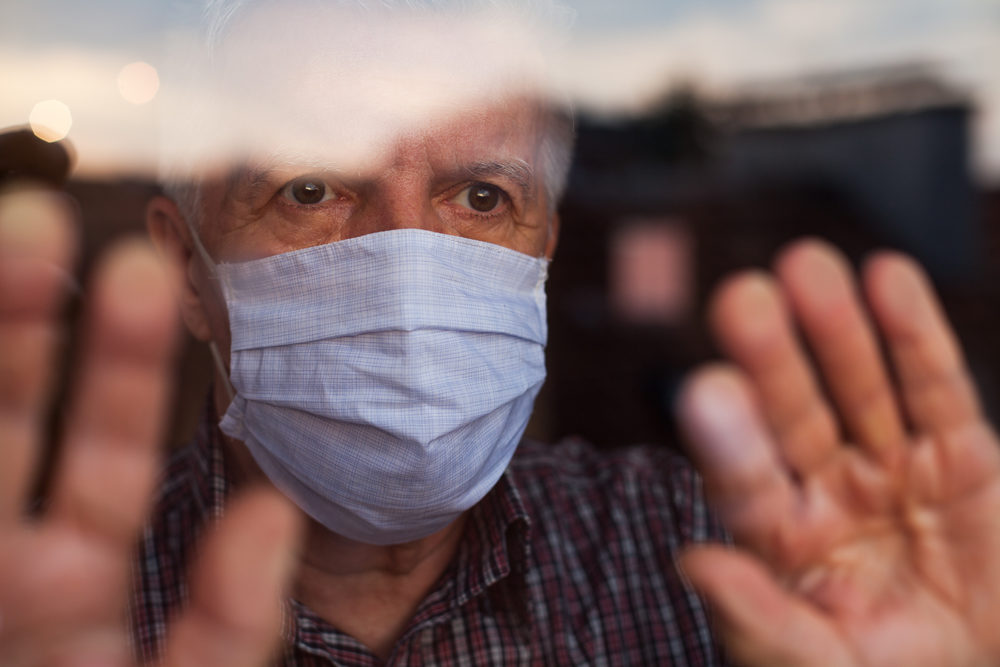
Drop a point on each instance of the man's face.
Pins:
(345, 137)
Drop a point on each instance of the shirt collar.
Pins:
(496, 543)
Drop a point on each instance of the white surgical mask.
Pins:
(383, 382)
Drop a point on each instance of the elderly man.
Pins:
(371, 282)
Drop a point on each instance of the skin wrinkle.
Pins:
(245, 182)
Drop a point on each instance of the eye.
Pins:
(307, 191)
(481, 197)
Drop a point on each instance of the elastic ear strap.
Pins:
(221, 367)
(202, 252)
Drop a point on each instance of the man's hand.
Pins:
(64, 577)
(866, 504)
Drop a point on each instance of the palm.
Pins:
(893, 580)
(64, 577)
(881, 553)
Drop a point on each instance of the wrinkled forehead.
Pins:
(321, 84)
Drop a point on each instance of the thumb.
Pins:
(238, 585)
(759, 622)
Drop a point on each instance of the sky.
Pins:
(621, 55)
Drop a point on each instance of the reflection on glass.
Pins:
(51, 120)
(138, 82)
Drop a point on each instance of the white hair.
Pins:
(555, 151)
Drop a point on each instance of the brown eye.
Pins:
(483, 198)
(307, 191)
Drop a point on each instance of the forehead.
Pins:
(501, 139)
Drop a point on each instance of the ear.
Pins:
(553, 240)
(172, 237)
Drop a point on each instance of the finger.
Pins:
(238, 586)
(822, 293)
(753, 326)
(760, 623)
(91, 583)
(934, 383)
(744, 478)
(36, 250)
(105, 476)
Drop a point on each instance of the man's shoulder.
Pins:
(605, 528)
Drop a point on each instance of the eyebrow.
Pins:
(517, 171)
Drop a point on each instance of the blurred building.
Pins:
(866, 160)
(892, 142)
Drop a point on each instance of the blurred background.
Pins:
(709, 134)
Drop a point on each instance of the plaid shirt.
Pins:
(569, 560)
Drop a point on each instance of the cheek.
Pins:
(538, 233)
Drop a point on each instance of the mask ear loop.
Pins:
(221, 368)
(213, 272)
